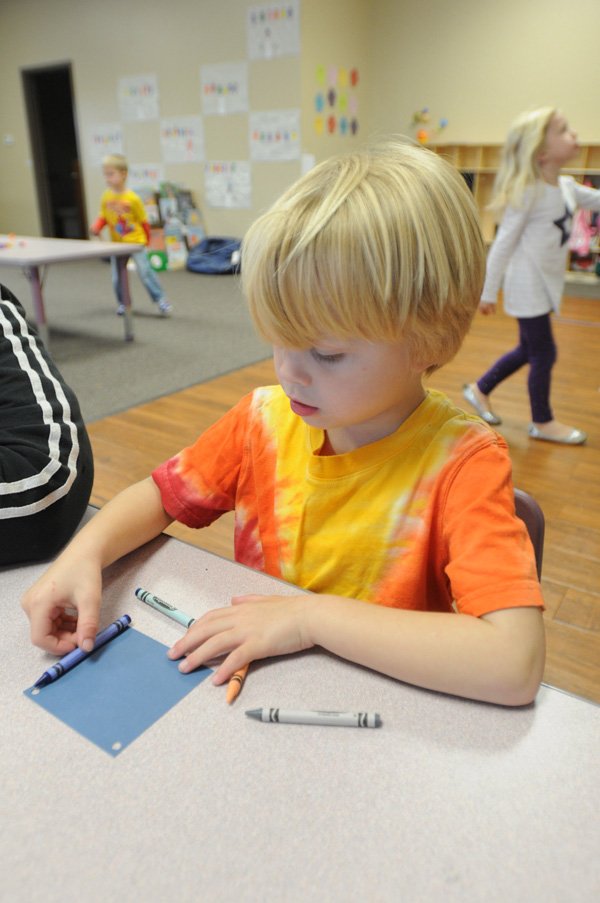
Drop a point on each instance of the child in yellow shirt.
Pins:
(123, 212)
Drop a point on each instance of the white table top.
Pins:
(27, 251)
(449, 801)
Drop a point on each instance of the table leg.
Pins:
(125, 297)
(33, 275)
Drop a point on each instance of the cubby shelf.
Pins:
(479, 164)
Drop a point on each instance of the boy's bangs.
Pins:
(336, 284)
(307, 299)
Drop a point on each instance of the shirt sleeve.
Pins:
(200, 483)
(491, 561)
(587, 198)
(509, 233)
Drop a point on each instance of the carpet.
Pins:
(208, 334)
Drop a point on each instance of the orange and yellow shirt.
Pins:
(422, 519)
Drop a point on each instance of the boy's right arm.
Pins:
(73, 583)
(97, 226)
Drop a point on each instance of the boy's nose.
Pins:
(289, 366)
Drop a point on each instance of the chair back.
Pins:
(532, 516)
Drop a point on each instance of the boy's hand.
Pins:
(63, 606)
(487, 307)
(253, 627)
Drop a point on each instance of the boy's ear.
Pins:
(419, 358)
(421, 365)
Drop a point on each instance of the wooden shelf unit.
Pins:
(479, 164)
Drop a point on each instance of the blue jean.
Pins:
(537, 348)
(145, 272)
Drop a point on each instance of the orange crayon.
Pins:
(236, 682)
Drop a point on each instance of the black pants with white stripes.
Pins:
(46, 463)
(42, 535)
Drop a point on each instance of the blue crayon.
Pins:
(78, 655)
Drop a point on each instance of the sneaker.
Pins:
(164, 307)
(120, 310)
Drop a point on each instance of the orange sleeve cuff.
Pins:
(97, 226)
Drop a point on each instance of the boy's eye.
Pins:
(326, 358)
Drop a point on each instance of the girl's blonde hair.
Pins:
(519, 167)
(116, 161)
(379, 244)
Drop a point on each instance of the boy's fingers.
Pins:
(45, 638)
(49, 635)
(86, 634)
(213, 648)
(230, 666)
(247, 597)
(87, 625)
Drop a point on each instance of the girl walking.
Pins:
(528, 259)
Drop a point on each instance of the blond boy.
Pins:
(123, 211)
(350, 478)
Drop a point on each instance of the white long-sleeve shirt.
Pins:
(529, 254)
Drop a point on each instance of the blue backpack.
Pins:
(215, 256)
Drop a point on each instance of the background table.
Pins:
(31, 253)
(450, 800)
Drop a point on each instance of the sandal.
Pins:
(483, 412)
(575, 437)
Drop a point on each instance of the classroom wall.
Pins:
(335, 52)
(108, 41)
(481, 62)
(476, 62)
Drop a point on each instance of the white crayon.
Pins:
(335, 719)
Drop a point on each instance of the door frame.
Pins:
(29, 74)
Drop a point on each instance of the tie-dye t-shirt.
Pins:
(422, 519)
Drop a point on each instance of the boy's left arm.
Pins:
(496, 658)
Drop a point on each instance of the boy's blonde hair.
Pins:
(116, 161)
(519, 163)
(379, 244)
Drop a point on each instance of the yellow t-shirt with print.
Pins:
(124, 213)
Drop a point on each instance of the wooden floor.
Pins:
(564, 480)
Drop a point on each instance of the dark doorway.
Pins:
(51, 116)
